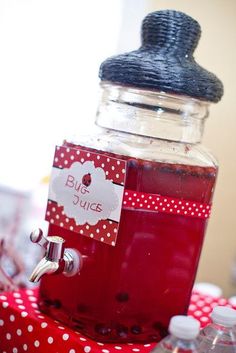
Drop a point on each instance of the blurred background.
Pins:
(50, 55)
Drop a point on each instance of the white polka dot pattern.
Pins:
(201, 307)
(158, 203)
(107, 235)
(114, 167)
(39, 333)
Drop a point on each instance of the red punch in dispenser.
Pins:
(129, 203)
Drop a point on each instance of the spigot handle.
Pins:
(37, 237)
(55, 248)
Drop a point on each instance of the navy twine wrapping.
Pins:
(165, 60)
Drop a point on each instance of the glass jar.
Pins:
(129, 292)
(150, 122)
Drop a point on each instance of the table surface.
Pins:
(23, 328)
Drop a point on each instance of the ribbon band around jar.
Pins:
(158, 203)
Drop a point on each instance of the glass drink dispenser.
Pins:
(129, 204)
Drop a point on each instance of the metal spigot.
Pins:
(57, 259)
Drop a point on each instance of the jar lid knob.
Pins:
(171, 31)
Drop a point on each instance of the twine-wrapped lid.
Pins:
(165, 60)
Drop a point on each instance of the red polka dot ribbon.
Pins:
(106, 230)
(154, 202)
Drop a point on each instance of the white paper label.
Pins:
(85, 193)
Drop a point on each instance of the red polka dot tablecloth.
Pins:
(23, 328)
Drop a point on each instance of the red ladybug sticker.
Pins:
(86, 180)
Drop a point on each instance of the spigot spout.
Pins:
(57, 258)
(43, 267)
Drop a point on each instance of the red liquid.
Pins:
(129, 292)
